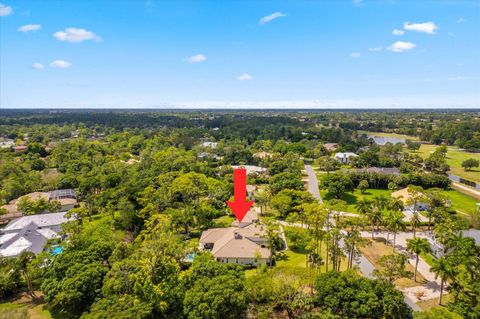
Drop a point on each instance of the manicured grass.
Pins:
(377, 249)
(455, 157)
(351, 198)
(462, 203)
(428, 258)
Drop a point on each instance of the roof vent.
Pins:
(237, 235)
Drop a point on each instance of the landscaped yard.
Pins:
(433, 303)
(455, 157)
(23, 308)
(351, 198)
(377, 249)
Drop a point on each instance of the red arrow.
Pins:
(240, 206)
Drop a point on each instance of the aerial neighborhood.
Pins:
(330, 207)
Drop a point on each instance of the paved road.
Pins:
(365, 266)
(313, 183)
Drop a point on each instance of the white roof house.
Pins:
(212, 145)
(345, 157)
(251, 168)
(30, 233)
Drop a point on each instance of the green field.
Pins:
(351, 198)
(455, 157)
(382, 134)
(462, 203)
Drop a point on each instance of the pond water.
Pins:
(382, 140)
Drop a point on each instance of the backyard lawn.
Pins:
(455, 157)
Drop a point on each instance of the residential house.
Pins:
(243, 243)
(212, 145)
(404, 196)
(251, 169)
(30, 233)
(331, 146)
(66, 197)
(345, 158)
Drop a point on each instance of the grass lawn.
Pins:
(293, 259)
(455, 157)
(382, 134)
(377, 250)
(462, 203)
(433, 303)
(428, 258)
(351, 198)
(22, 307)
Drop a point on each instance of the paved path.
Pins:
(473, 192)
(313, 183)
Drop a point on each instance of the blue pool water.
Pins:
(56, 250)
(190, 257)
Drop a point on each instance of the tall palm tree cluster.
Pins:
(383, 211)
(458, 268)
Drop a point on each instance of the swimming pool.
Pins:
(56, 250)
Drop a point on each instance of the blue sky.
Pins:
(261, 53)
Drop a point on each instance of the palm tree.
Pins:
(365, 207)
(395, 223)
(415, 220)
(22, 263)
(442, 268)
(418, 246)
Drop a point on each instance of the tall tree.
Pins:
(443, 269)
(418, 246)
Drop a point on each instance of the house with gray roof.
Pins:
(30, 233)
(243, 243)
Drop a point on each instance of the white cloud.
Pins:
(375, 49)
(355, 55)
(357, 2)
(245, 77)
(5, 10)
(76, 35)
(426, 27)
(37, 66)
(401, 46)
(271, 17)
(398, 32)
(60, 64)
(29, 27)
(196, 58)
(461, 20)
